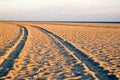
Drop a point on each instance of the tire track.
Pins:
(12, 42)
(13, 53)
(96, 70)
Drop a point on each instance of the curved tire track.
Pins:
(13, 53)
(12, 42)
(98, 72)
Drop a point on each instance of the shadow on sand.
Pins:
(8, 63)
(91, 64)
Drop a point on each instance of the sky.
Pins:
(60, 10)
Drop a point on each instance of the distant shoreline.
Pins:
(109, 22)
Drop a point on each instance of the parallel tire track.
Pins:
(13, 53)
(12, 42)
(97, 71)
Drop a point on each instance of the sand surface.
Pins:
(8, 35)
(45, 56)
(99, 41)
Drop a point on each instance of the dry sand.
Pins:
(100, 41)
(44, 57)
(8, 35)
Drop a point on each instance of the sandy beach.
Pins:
(59, 51)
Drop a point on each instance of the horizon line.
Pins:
(60, 21)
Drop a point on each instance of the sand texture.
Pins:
(100, 42)
(8, 35)
(60, 51)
